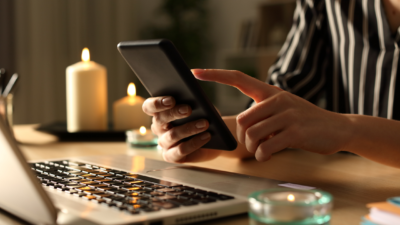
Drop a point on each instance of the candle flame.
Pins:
(85, 55)
(290, 198)
(131, 89)
(142, 130)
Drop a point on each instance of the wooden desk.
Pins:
(352, 180)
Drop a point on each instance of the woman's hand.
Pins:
(280, 119)
(164, 111)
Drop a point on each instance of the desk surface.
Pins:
(352, 180)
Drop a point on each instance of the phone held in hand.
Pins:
(163, 72)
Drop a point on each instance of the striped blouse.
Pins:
(344, 48)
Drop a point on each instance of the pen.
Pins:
(10, 85)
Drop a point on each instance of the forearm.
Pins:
(377, 139)
(240, 151)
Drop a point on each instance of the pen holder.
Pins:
(6, 110)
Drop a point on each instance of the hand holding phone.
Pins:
(178, 103)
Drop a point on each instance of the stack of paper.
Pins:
(383, 213)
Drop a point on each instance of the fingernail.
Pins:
(183, 109)
(201, 124)
(197, 71)
(167, 101)
(205, 136)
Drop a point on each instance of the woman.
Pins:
(348, 49)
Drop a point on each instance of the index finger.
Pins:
(158, 104)
(255, 89)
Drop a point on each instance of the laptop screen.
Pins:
(20, 192)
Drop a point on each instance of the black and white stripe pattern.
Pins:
(346, 49)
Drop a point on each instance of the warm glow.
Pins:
(142, 130)
(290, 198)
(85, 55)
(138, 164)
(131, 90)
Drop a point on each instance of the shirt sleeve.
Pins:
(302, 59)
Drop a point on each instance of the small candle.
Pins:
(128, 113)
(86, 83)
(286, 206)
(141, 137)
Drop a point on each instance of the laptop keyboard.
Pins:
(133, 193)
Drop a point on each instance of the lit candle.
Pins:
(141, 137)
(128, 113)
(86, 95)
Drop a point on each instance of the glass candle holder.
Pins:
(141, 138)
(287, 206)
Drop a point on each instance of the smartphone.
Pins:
(163, 72)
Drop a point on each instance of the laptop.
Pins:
(118, 189)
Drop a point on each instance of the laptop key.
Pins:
(71, 191)
(89, 197)
(155, 193)
(89, 182)
(101, 195)
(91, 192)
(131, 194)
(79, 194)
(73, 178)
(177, 193)
(105, 175)
(166, 190)
(202, 199)
(165, 197)
(85, 188)
(97, 185)
(93, 178)
(182, 188)
(133, 188)
(99, 200)
(111, 204)
(112, 190)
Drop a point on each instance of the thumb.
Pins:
(255, 89)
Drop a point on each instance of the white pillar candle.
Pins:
(86, 95)
(128, 113)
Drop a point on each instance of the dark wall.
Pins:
(7, 35)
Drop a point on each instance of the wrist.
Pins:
(351, 132)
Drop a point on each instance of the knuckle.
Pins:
(240, 119)
(193, 143)
(180, 149)
(153, 129)
(190, 129)
(296, 134)
(171, 114)
(281, 97)
(157, 119)
(172, 135)
(251, 133)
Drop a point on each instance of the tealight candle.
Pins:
(141, 137)
(290, 206)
